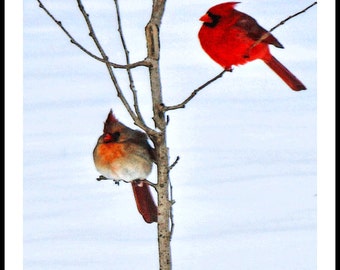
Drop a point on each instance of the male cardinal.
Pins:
(124, 154)
(229, 37)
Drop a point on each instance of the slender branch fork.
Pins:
(120, 94)
(145, 63)
(132, 84)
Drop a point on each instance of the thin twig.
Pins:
(194, 93)
(150, 183)
(144, 63)
(127, 58)
(264, 36)
(171, 216)
(102, 52)
(120, 94)
(174, 163)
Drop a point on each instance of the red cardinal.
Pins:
(228, 36)
(124, 154)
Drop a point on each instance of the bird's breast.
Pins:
(230, 46)
(122, 162)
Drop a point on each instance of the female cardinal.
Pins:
(229, 37)
(122, 153)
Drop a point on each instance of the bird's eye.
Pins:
(115, 136)
(214, 20)
(111, 137)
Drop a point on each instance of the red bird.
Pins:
(124, 154)
(228, 36)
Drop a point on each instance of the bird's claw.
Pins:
(101, 177)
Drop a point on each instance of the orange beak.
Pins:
(206, 18)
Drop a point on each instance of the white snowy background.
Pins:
(246, 183)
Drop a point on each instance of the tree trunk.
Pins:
(159, 140)
(164, 205)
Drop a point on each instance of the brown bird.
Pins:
(124, 154)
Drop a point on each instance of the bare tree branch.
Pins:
(127, 58)
(102, 52)
(152, 33)
(153, 49)
(264, 36)
(143, 63)
(194, 93)
(138, 121)
(172, 201)
(174, 163)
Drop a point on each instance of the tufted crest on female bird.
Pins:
(111, 123)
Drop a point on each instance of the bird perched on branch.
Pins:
(231, 37)
(124, 154)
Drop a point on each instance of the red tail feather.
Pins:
(145, 203)
(288, 77)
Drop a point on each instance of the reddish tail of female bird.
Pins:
(145, 203)
(288, 77)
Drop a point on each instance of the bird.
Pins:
(124, 154)
(233, 38)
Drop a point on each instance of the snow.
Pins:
(246, 183)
